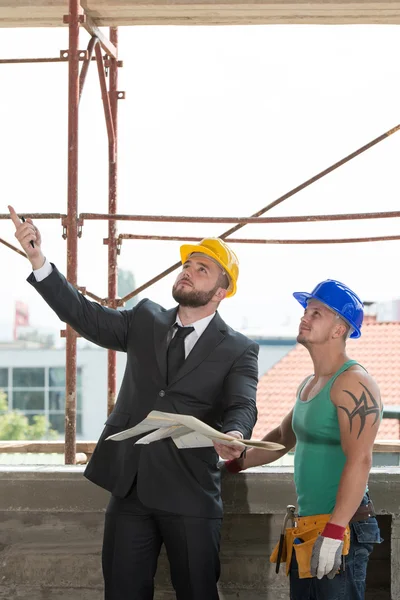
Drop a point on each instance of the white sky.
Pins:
(217, 121)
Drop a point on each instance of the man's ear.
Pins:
(220, 294)
(340, 330)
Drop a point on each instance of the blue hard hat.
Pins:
(339, 298)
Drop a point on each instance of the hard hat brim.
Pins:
(187, 249)
(304, 297)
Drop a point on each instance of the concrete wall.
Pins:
(51, 524)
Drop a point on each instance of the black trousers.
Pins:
(133, 536)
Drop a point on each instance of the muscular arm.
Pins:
(101, 325)
(282, 435)
(357, 399)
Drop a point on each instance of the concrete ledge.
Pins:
(51, 525)
(62, 489)
(265, 490)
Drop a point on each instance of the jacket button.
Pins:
(161, 393)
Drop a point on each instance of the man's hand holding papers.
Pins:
(186, 432)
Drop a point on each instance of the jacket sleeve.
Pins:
(103, 326)
(240, 390)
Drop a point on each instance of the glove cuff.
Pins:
(333, 531)
(233, 466)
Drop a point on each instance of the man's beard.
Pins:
(192, 298)
(302, 341)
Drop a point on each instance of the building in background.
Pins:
(272, 349)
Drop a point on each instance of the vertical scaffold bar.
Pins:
(112, 209)
(72, 229)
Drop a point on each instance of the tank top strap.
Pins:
(343, 368)
(303, 385)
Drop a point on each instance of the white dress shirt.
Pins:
(199, 328)
(44, 271)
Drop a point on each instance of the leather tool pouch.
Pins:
(305, 534)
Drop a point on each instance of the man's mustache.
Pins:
(185, 279)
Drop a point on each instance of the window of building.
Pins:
(41, 391)
(3, 379)
(56, 406)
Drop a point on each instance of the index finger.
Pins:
(14, 217)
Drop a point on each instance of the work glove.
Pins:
(327, 552)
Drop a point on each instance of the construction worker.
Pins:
(184, 360)
(332, 426)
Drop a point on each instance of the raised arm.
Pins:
(103, 326)
(98, 324)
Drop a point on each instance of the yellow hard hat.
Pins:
(220, 252)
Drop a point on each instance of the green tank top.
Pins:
(319, 459)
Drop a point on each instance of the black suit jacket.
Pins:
(217, 384)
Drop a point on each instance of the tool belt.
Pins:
(302, 538)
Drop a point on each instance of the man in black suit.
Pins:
(184, 360)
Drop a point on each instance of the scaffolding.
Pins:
(104, 52)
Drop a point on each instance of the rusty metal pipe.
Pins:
(106, 99)
(86, 63)
(13, 247)
(176, 238)
(23, 61)
(243, 220)
(72, 228)
(315, 178)
(150, 282)
(245, 241)
(94, 296)
(36, 215)
(110, 102)
(278, 201)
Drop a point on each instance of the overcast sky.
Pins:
(217, 121)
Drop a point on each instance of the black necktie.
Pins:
(176, 351)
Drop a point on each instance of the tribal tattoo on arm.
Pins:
(364, 406)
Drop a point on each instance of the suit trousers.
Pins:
(133, 536)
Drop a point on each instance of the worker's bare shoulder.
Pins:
(355, 383)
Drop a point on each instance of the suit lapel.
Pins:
(162, 324)
(208, 341)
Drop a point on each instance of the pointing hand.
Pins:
(26, 233)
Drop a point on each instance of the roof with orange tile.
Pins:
(378, 350)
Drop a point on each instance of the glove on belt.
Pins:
(326, 553)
